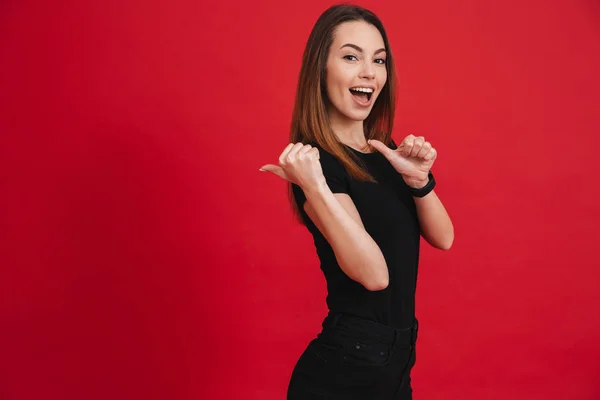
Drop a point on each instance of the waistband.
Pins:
(360, 327)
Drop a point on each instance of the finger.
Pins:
(380, 147)
(285, 152)
(277, 170)
(314, 152)
(407, 145)
(418, 144)
(431, 155)
(293, 153)
(304, 150)
(424, 149)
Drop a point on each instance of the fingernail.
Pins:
(261, 170)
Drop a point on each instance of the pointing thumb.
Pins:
(274, 169)
(382, 148)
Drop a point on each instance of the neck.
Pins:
(349, 132)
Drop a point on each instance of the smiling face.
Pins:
(356, 71)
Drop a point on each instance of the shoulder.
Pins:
(329, 161)
(333, 170)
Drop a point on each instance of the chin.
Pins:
(357, 116)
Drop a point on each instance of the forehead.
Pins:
(360, 33)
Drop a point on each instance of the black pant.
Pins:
(353, 358)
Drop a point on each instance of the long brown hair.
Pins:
(309, 117)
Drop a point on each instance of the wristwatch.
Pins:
(424, 191)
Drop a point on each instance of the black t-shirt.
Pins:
(389, 215)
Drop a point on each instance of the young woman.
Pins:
(366, 201)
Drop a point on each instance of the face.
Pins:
(356, 70)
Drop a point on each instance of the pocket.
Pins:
(310, 378)
(346, 372)
(325, 353)
(367, 353)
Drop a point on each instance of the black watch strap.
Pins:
(425, 190)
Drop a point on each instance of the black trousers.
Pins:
(353, 358)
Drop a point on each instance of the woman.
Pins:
(366, 202)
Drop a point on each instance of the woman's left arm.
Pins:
(413, 159)
(436, 226)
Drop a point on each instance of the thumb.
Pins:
(277, 170)
(380, 147)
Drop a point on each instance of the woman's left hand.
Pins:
(413, 159)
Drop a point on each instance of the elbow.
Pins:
(372, 273)
(378, 278)
(381, 283)
(441, 242)
(446, 244)
(439, 236)
(376, 286)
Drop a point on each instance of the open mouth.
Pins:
(362, 94)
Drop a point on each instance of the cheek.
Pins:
(336, 84)
(338, 76)
(382, 78)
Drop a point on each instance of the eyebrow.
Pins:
(355, 47)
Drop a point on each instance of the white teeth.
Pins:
(364, 90)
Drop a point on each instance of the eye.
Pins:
(380, 61)
(350, 55)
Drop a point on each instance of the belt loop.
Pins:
(331, 320)
(334, 321)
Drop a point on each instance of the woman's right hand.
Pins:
(299, 164)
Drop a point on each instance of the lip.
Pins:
(364, 86)
(365, 104)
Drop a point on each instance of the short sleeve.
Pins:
(335, 176)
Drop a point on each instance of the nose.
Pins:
(368, 70)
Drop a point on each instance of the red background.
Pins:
(144, 256)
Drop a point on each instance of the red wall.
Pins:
(144, 256)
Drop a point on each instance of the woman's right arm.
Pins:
(335, 215)
(338, 220)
